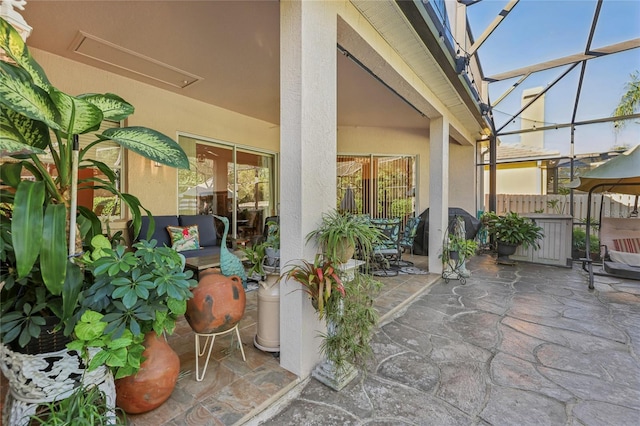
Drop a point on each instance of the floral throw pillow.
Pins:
(184, 237)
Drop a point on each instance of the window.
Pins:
(380, 186)
(228, 180)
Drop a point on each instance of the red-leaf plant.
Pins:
(319, 280)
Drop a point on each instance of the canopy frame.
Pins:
(587, 263)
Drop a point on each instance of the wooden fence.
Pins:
(613, 205)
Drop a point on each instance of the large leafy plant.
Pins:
(338, 230)
(133, 293)
(514, 229)
(37, 212)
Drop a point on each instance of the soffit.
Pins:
(392, 25)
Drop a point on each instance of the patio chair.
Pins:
(389, 248)
(409, 234)
(250, 226)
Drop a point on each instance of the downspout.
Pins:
(493, 156)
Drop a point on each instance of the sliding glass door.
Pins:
(380, 186)
(227, 180)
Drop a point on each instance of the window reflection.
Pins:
(227, 181)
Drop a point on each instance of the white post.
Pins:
(308, 111)
(438, 189)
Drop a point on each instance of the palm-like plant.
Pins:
(341, 232)
(38, 214)
(630, 100)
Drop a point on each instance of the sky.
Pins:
(540, 30)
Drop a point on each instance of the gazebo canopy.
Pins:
(619, 175)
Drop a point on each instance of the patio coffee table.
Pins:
(200, 263)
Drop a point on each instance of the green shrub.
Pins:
(580, 241)
(84, 407)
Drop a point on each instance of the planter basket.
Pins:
(48, 341)
(47, 377)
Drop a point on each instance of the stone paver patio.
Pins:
(517, 345)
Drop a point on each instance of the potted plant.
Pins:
(255, 257)
(456, 251)
(512, 230)
(580, 244)
(347, 307)
(85, 406)
(340, 294)
(340, 234)
(40, 226)
(264, 256)
(134, 300)
(320, 280)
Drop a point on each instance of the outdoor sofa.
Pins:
(207, 238)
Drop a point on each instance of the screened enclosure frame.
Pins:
(578, 60)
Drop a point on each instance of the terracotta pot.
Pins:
(344, 251)
(155, 380)
(217, 304)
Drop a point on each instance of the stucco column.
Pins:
(438, 189)
(307, 161)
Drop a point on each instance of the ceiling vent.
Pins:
(117, 56)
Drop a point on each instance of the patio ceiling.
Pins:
(224, 53)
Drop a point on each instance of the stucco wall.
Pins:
(521, 178)
(462, 175)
